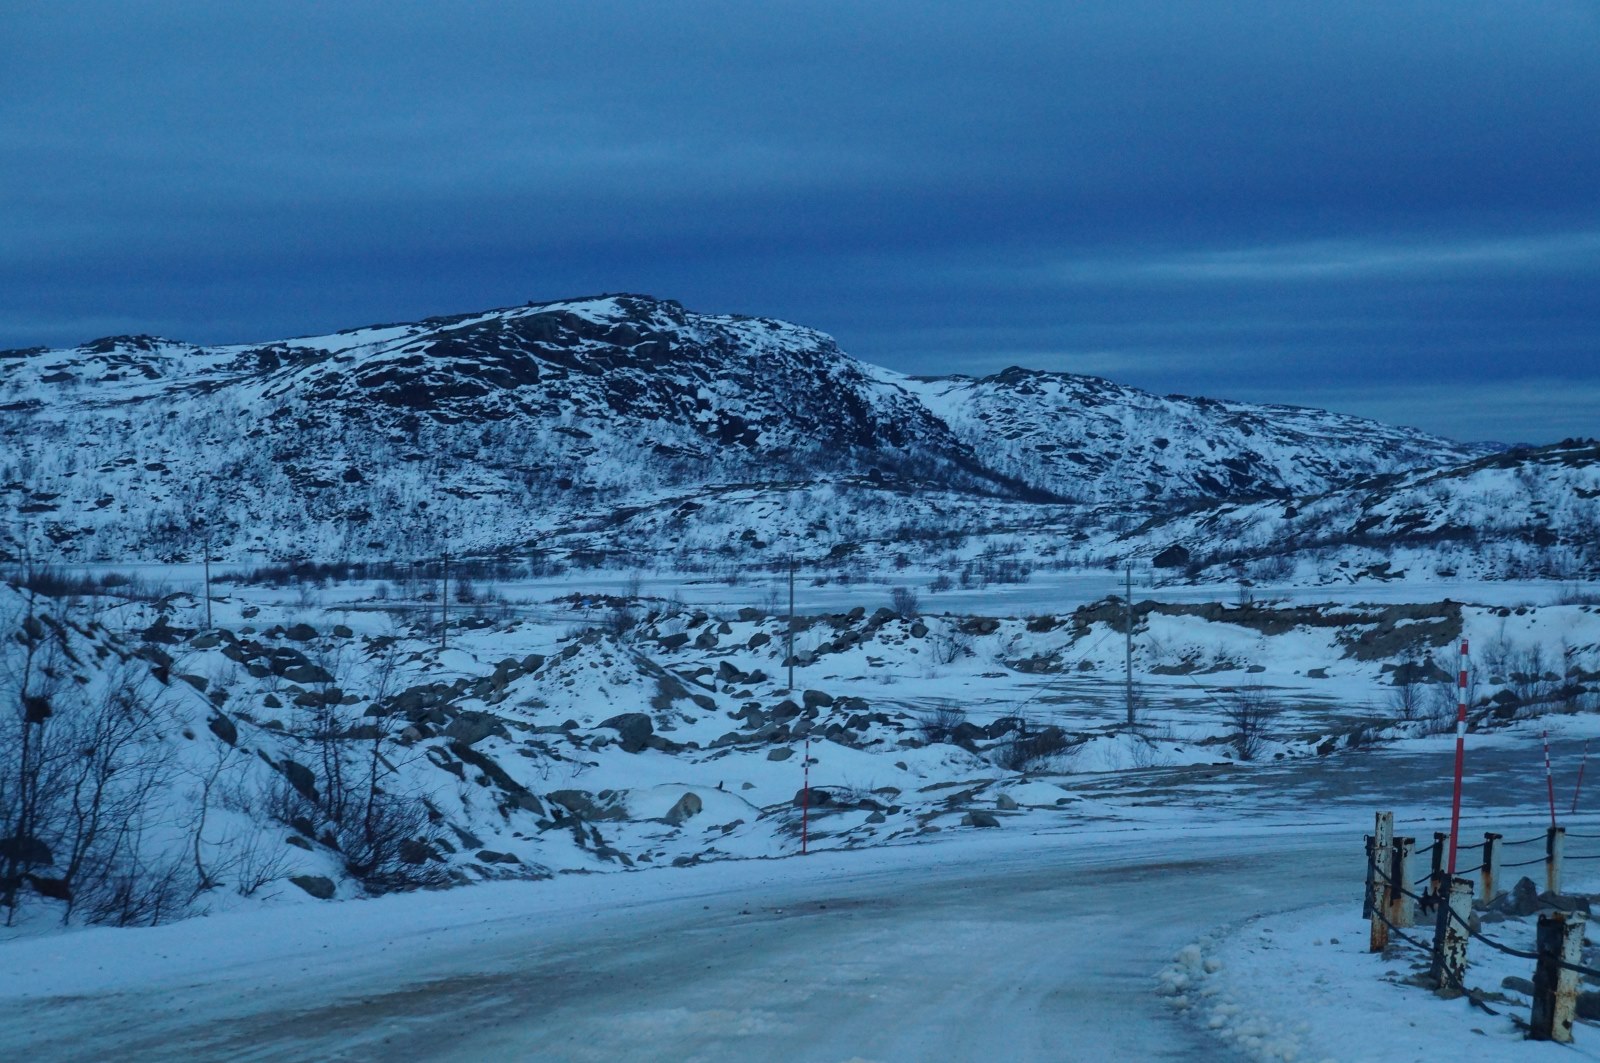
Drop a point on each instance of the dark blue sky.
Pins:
(1389, 208)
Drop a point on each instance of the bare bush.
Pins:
(1032, 747)
(904, 601)
(1249, 711)
(940, 724)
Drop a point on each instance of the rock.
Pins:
(979, 625)
(413, 851)
(300, 777)
(781, 753)
(1564, 903)
(583, 805)
(224, 729)
(634, 729)
(785, 710)
(816, 699)
(673, 642)
(758, 640)
(1523, 899)
(977, 818)
(1006, 803)
(819, 797)
(688, 806)
(919, 630)
(1173, 556)
(469, 728)
(489, 856)
(706, 640)
(877, 817)
(300, 633)
(319, 886)
(342, 631)
(1517, 985)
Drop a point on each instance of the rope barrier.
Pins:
(1530, 841)
(1530, 863)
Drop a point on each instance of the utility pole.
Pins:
(1128, 656)
(206, 546)
(444, 598)
(791, 625)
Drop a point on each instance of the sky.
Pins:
(1388, 208)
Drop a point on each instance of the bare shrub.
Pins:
(1031, 747)
(1249, 711)
(905, 601)
(940, 724)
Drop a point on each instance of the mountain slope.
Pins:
(1096, 441)
(502, 430)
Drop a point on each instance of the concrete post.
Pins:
(1450, 936)
(1377, 884)
(1555, 841)
(1555, 989)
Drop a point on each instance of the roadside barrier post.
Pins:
(1555, 840)
(1436, 880)
(1450, 936)
(1377, 888)
(1555, 988)
(1491, 866)
(1401, 910)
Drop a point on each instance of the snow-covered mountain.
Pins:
(1094, 440)
(619, 422)
(1523, 514)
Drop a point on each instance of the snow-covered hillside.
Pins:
(1518, 515)
(613, 425)
(1091, 439)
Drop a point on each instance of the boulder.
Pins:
(300, 777)
(687, 807)
(319, 886)
(1006, 803)
(781, 753)
(224, 729)
(758, 640)
(815, 699)
(1173, 556)
(977, 818)
(634, 729)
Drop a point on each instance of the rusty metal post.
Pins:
(1401, 910)
(1555, 988)
(1436, 880)
(1377, 879)
(1490, 875)
(1450, 936)
(1555, 843)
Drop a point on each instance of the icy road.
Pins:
(992, 945)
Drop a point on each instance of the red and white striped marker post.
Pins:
(1578, 789)
(1549, 779)
(805, 801)
(1461, 756)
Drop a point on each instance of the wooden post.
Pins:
(1490, 875)
(1555, 988)
(1555, 840)
(1378, 886)
(1450, 936)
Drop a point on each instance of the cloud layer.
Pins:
(1270, 198)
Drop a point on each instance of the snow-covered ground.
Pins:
(1018, 944)
(912, 929)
